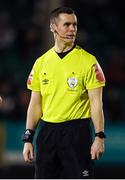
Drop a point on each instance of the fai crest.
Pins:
(72, 82)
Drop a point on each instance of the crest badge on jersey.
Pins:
(72, 82)
(99, 73)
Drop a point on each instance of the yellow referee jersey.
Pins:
(63, 84)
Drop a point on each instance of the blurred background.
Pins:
(24, 36)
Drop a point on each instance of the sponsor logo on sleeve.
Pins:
(99, 73)
(30, 78)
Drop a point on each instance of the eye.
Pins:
(75, 24)
(67, 24)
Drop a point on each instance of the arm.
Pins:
(96, 105)
(34, 110)
(0, 100)
(33, 116)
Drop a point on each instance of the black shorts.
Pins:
(63, 150)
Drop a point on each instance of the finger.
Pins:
(31, 155)
(29, 161)
(27, 158)
(100, 155)
(93, 157)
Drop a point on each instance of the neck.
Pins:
(61, 47)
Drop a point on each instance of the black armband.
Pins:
(100, 134)
(28, 135)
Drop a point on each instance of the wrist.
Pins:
(100, 134)
(28, 136)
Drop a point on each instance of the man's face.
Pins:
(65, 27)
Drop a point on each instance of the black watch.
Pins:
(100, 134)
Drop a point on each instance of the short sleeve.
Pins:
(33, 78)
(95, 77)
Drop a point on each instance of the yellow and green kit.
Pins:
(63, 84)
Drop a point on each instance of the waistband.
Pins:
(66, 123)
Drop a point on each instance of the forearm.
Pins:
(33, 116)
(97, 117)
(34, 111)
(96, 108)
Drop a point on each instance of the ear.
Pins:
(52, 27)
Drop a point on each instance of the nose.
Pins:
(73, 28)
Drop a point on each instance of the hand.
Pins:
(97, 148)
(28, 152)
(1, 100)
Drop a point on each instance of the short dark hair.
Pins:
(56, 12)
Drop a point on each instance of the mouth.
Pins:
(70, 36)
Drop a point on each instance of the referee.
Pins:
(66, 84)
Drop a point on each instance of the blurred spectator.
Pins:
(7, 32)
(9, 91)
(1, 100)
(116, 85)
(116, 68)
(29, 41)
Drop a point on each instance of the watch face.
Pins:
(100, 134)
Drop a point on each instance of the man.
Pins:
(66, 84)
